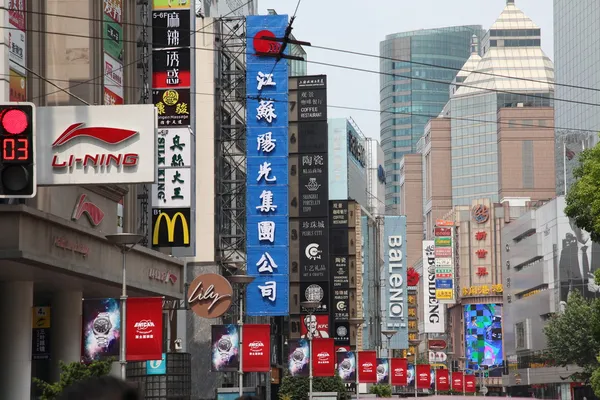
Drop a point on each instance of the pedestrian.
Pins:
(100, 388)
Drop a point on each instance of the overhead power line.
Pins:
(344, 51)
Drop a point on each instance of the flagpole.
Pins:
(565, 165)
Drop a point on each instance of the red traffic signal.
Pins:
(17, 145)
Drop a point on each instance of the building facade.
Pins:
(411, 83)
(411, 204)
(576, 51)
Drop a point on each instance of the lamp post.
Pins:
(464, 363)
(241, 281)
(389, 334)
(357, 322)
(310, 307)
(125, 242)
(416, 343)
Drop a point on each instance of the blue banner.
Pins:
(394, 294)
(267, 212)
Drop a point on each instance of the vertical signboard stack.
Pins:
(17, 51)
(267, 212)
(171, 84)
(112, 43)
(309, 194)
(444, 262)
(342, 228)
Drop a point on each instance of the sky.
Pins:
(359, 26)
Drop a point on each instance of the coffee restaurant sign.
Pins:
(210, 295)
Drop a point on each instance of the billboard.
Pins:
(443, 258)
(434, 313)
(394, 293)
(483, 336)
(92, 145)
(267, 231)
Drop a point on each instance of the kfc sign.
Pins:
(92, 145)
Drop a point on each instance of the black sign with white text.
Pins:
(314, 250)
(40, 344)
(313, 137)
(338, 213)
(340, 309)
(314, 185)
(340, 272)
(173, 106)
(171, 28)
(338, 242)
(315, 291)
(341, 333)
(312, 105)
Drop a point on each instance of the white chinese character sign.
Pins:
(267, 169)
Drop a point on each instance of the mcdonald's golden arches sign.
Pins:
(171, 227)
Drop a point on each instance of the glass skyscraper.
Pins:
(413, 83)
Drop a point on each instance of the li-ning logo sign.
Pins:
(356, 149)
(433, 306)
(107, 135)
(93, 213)
(395, 283)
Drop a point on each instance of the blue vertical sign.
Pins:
(267, 231)
(394, 292)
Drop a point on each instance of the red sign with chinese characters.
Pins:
(443, 232)
(398, 369)
(367, 367)
(442, 379)
(481, 235)
(256, 348)
(323, 357)
(481, 253)
(457, 381)
(481, 271)
(470, 385)
(144, 328)
(423, 376)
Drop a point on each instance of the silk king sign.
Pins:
(394, 293)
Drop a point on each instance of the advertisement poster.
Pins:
(299, 357)
(40, 324)
(18, 87)
(101, 329)
(483, 336)
(442, 380)
(144, 328)
(399, 371)
(457, 381)
(382, 370)
(346, 363)
(113, 77)
(315, 326)
(225, 341)
(434, 316)
(323, 357)
(256, 347)
(112, 43)
(173, 106)
(423, 376)
(367, 367)
(470, 383)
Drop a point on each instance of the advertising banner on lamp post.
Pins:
(346, 363)
(225, 341)
(299, 357)
(323, 357)
(101, 335)
(144, 328)
(256, 347)
(398, 369)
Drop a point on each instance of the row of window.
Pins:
(516, 43)
(514, 32)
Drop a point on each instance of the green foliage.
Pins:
(296, 387)
(595, 379)
(583, 201)
(574, 336)
(381, 390)
(71, 373)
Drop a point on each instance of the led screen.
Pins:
(483, 336)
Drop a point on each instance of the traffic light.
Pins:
(486, 371)
(17, 158)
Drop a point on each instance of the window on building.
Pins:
(521, 335)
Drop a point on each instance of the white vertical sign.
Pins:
(434, 312)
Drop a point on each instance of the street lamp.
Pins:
(464, 360)
(389, 334)
(241, 281)
(416, 343)
(125, 242)
(357, 322)
(310, 307)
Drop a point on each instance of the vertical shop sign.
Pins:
(112, 43)
(40, 324)
(267, 231)
(17, 49)
(172, 218)
(434, 313)
(339, 283)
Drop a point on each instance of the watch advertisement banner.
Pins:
(40, 324)
(367, 367)
(314, 326)
(315, 291)
(225, 347)
(314, 250)
(346, 369)
(171, 28)
(173, 106)
(256, 348)
(383, 375)
(423, 374)
(299, 357)
(144, 328)
(470, 383)
(457, 381)
(323, 361)
(101, 329)
(314, 185)
(338, 213)
(442, 380)
(341, 333)
(267, 213)
(399, 368)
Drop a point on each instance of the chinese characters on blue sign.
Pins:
(267, 170)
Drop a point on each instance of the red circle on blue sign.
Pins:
(264, 46)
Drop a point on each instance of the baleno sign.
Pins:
(210, 295)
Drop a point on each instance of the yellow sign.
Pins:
(444, 294)
(413, 336)
(412, 325)
(40, 317)
(412, 299)
(170, 4)
(171, 228)
(483, 290)
(412, 312)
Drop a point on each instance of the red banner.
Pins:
(470, 384)
(398, 369)
(423, 376)
(367, 367)
(256, 348)
(457, 382)
(323, 357)
(442, 380)
(144, 328)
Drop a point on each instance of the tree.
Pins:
(381, 390)
(583, 201)
(573, 336)
(69, 374)
(296, 387)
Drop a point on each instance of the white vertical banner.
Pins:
(434, 312)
